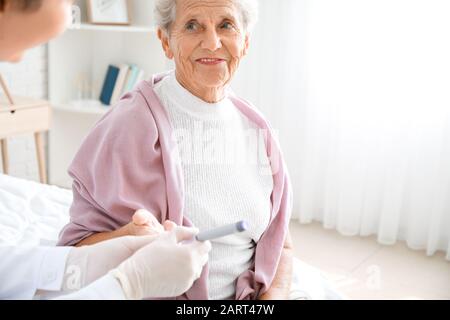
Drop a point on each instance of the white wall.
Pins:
(28, 78)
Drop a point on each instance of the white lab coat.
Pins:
(25, 270)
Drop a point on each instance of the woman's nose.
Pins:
(211, 41)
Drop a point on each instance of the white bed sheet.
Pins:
(33, 214)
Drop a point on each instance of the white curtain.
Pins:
(360, 93)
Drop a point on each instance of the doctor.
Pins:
(130, 267)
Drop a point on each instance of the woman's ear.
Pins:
(165, 41)
(246, 45)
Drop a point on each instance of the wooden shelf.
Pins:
(21, 103)
(28, 116)
(20, 115)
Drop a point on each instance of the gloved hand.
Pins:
(166, 267)
(89, 263)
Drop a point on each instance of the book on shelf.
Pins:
(109, 84)
(131, 79)
(118, 81)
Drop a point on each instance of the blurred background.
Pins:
(359, 93)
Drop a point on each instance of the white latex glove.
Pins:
(89, 263)
(166, 267)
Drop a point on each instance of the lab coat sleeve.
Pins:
(24, 270)
(105, 288)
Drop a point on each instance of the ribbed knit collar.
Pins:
(189, 103)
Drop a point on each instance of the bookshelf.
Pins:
(77, 65)
(91, 27)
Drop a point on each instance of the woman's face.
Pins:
(207, 42)
(22, 30)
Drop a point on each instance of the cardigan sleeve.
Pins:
(117, 170)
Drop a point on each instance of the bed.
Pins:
(33, 214)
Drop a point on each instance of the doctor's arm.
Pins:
(25, 270)
(131, 268)
(30, 271)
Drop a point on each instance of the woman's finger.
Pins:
(169, 225)
(144, 218)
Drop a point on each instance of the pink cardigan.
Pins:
(129, 162)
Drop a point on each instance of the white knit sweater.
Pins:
(227, 177)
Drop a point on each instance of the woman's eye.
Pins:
(227, 25)
(191, 26)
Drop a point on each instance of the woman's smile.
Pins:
(210, 61)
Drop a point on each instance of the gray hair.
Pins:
(165, 13)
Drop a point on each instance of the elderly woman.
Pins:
(185, 148)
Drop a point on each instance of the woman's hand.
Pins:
(143, 223)
(281, 285)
